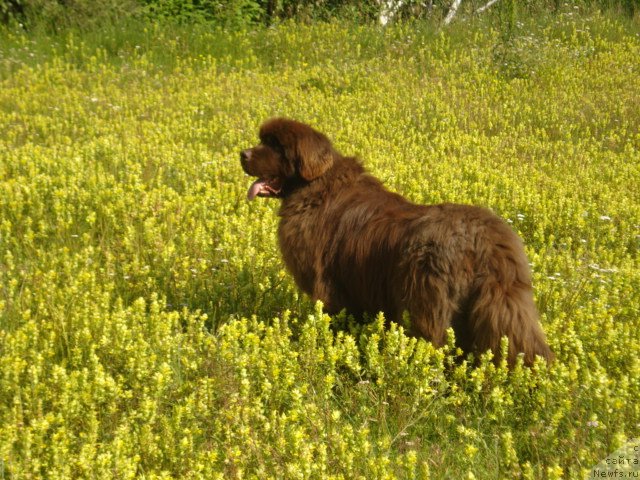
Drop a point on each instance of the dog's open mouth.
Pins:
(270, 187)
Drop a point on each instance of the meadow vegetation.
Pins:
(148, 328)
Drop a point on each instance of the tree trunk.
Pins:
(452, 11)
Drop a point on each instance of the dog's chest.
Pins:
(301, 237)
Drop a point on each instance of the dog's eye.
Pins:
(271, 142)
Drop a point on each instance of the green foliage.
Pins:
(87, 15)
(61, 15)
(228, 13)
(147, 327)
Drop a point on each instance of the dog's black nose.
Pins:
(245, 155)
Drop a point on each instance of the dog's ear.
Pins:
(315, 154)
(309, 151)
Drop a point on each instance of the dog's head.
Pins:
(289, 153)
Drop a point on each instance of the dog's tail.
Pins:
(503, 305)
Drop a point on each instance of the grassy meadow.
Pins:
(148, 328)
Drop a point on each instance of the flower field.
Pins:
(148, 328)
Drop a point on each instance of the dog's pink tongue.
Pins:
(255, 188)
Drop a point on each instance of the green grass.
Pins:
(148, 329)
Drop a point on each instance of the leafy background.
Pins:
(147, 327)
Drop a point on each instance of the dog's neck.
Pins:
(344, 172)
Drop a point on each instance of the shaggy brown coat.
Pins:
(354, 245)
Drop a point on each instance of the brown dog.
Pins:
(354, 245)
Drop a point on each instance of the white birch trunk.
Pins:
(452, 11)
(486, 5)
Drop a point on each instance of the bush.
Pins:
(59, 15)
(56, 15)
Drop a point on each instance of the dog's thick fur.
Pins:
(354, 245)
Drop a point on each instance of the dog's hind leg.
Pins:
(431, 310)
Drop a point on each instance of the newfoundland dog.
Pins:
(354, 245)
